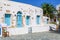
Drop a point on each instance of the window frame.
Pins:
(38, 19)
(9, 18)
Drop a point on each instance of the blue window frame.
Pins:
(7, 19)
(19, 19)
(27, 20)
(38, 19)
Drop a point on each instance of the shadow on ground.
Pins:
(55, 31)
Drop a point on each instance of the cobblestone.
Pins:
(35, 36)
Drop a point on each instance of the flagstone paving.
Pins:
(35, 36)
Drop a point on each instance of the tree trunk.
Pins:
(59, 24)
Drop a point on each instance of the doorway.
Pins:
(19, 19)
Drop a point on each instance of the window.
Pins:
(7, 19)
(38, 19)
(19, 19)
(27, 20)
(47, 21)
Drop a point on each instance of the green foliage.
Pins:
(53, 22)
(48, 10)
(59, 19)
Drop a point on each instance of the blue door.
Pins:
(19, 19)
(27, 20)
(7, 19)
(38, 19)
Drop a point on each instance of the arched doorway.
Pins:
(19, 19)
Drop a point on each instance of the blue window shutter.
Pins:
(7, 19)
(27, 20)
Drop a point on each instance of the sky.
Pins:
(38, 3)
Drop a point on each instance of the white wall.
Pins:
(26, 9)
(25, 30)
(17, 31)
(39, 29)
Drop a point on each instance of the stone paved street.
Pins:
(35, 36)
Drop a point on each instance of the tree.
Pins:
(48, 10)
(58, 11)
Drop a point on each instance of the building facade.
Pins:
(19, 17)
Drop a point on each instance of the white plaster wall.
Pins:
(24, 30)
(18, 31)
(45, 20)
(40, 29)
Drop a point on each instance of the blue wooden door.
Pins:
(19, 19)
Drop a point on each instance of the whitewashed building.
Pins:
(22, 18)
(58, 11)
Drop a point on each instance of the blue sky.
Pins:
(39, 2)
